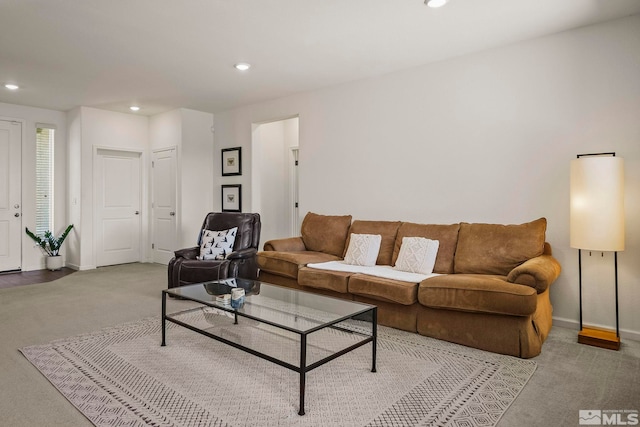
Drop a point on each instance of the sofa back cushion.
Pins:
(446, 235)
(325, 233)
(387, 229)
(497, 249)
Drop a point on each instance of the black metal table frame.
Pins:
(303, 368)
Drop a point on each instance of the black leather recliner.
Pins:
(185, 268)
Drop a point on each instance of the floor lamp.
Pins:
(597, 224)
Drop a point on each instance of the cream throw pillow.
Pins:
(417, 255)
(363, 249)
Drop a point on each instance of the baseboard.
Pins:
(575, 325)
(93, 267)
(566, 323)
(80, 267)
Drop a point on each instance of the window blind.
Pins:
(44, 179)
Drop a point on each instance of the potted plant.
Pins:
(51, 246)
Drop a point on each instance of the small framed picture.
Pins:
(232, 161)
(232, 198)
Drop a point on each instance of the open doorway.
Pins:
(274, 183)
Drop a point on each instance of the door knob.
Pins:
(16, 214)
(137, 212)
(172, 213)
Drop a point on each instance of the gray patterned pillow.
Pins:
(217, 244)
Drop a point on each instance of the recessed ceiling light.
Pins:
(11, 86)
(435, 3)
(134, 108)
(242, 66)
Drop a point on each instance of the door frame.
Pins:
(294, 184)
(144, 222)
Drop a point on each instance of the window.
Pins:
(44, 178)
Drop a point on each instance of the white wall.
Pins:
(196, 174)
(32, 257)
(482, 138)
(165, 130)
(91, 128)
(190, 132)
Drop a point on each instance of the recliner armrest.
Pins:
(539, 273)
(188, 253)
(242, 254)
(290, 244)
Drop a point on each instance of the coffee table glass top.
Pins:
(297, 311)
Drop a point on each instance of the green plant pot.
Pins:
(54, 262)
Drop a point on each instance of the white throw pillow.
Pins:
(363, 249)
(417, 255)
(217, 244)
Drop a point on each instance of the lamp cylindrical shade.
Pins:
(597, 203)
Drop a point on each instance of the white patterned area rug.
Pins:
(121, 376)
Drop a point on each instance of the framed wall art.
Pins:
(232, 161)
(232, 198)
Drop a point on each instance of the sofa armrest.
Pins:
(188, 253)
(539, 273)
(290, 244)
(242, 254)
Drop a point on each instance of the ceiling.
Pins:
(163, 54)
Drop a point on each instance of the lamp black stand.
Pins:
(597, 337)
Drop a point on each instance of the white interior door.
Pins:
(165, 231)
(118, 219)
(10, 198)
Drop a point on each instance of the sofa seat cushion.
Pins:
(324, 279)
(478, 293)
(287, 263)
(382, 289)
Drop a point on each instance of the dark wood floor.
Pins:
(9, 280)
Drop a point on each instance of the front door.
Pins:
(165, 232)
(118, 194)
(10, 198)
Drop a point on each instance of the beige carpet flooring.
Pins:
(569, 377)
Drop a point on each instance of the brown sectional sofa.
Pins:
(492, 294)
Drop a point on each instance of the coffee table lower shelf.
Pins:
(303, 368)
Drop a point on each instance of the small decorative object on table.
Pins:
(224, 299)
(237, 297)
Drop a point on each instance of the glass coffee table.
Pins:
(294, 329)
